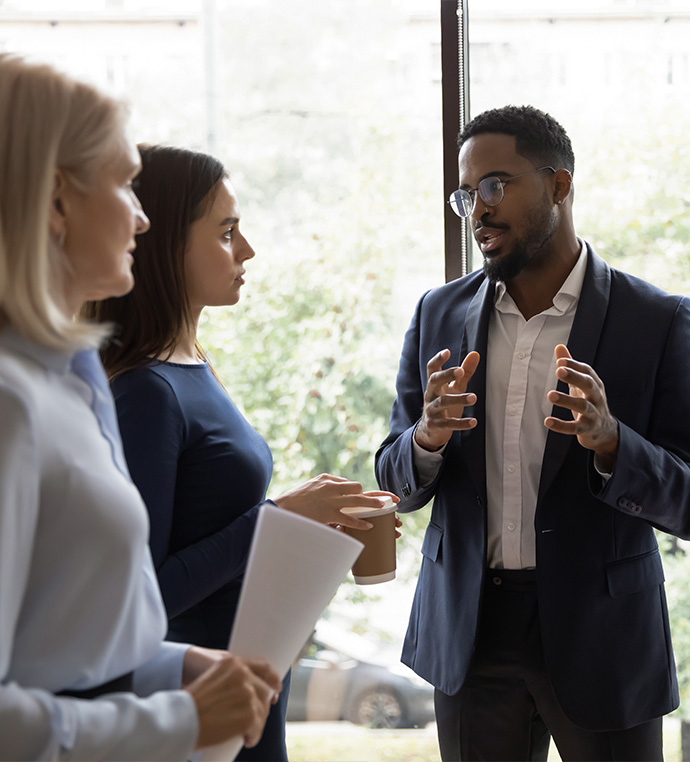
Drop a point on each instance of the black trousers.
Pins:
(507, 711)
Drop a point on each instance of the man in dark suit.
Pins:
(544, 404)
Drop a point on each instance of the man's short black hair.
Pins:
(538, 136)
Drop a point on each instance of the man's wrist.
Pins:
(605, 458)
(427, 447)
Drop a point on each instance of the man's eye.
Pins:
(228, 234)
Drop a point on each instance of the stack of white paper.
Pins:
(294, 569)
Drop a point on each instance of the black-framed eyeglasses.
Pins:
(490, 191)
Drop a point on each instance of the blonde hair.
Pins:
(48, 122)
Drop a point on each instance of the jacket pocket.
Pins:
(632, 575)
(432, 542)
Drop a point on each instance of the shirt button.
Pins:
(511, 526)
(511, 469)
(521, 355)
(512, 411)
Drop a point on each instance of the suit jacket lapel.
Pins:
(582, 343)
(475, 337)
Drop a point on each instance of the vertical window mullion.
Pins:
(455, 110)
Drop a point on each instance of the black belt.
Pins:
(124, 683)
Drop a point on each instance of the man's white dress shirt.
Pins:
(520, 371)
(79, 599)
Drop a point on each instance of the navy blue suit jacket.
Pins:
(600, 579)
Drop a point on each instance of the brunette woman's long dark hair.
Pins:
(176, 186)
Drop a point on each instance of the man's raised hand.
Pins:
(445, 400)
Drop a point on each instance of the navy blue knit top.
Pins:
(202, 471)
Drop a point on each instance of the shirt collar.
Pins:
(50, 359)
(567, 296)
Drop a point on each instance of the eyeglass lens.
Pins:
(490, 191)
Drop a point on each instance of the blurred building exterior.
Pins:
(551, 51)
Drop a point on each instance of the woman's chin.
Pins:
(112, 290)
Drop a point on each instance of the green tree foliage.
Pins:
(635, 203)
(677, 572)
(308, 358)
(338, 177)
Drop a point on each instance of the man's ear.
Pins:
(57, 218)
(563, 182)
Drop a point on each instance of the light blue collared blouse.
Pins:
(79, 600)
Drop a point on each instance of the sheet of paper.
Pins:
(295, 567)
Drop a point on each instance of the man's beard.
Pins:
(528, 250)
(506, 267)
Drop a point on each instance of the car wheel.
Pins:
(378, 709)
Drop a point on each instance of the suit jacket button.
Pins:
(497, 581)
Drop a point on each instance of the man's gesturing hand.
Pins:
(596, 429)
(445, 400)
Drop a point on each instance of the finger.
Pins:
(568, 362)
(455, 424)
(581, 367)
(577, 404)
(352, 523)
(450, 405)
(346, 487)
(437, 382)
(437, 362)
(565, 359)
(329, 478)
(559, 426)
(266, 673)
(252, 738)
(585, 382)
(469, 364)
(562, 352)
(460, 401)
(381, 493)
(578, 367)
(360, 500)
(398, 523)
(263, 690)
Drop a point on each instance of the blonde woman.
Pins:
(81, 617)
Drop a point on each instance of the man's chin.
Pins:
(501, 268)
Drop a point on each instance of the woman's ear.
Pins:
(57, 220)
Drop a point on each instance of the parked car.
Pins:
(339, 676)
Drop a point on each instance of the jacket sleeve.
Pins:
(395, 467)
(651, 478)
(153, 432)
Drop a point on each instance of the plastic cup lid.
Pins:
(364, 513)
